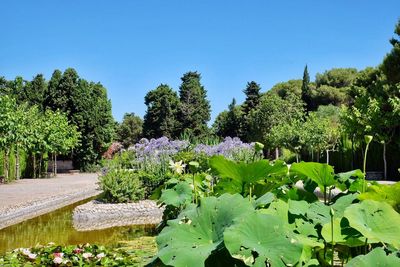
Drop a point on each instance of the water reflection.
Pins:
(57, 227)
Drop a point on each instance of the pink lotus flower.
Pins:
(78, 250)
(58, 260)
(87, 255)
(32, 256)
(58, 255)
(100, 255)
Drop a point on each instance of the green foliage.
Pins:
(376, 257)
(321, 174)
(252, 100)
(130, 130)
(336, 77)
(384, 193)
(240, 177)
(81, 255)
(376, 221)
(228, 122)
(162, 111)
(260, 238)
(121, 185)
(194, 108)
(187, 241)
(391, 62)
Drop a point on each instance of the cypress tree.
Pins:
(161, 115)
(305, 89)
(252, 93)
(194, 109)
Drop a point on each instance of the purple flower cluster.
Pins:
(157, 149)
(231, 148)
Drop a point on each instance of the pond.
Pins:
(57, 227)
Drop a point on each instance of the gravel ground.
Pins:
(28, 198)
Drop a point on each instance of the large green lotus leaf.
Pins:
(177, 196)
(342, 203)
(298, 207)
(261, 238)
(377, 221)
(235, 175)
(191, 239)
(342, 233)
(264, 200)
(326, 232)
(376, 258)
(318, 213)
(345, 179)
(278, 208)
(386, 193)
(320, 173)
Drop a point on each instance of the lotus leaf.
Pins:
(191, 239)
(262, 238)
(241, 173)
(320, 173)
(377, 221)
(177, 196)
(376, 258)
(386, 193)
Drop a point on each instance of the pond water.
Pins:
(57, 227)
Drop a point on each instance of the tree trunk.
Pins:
(55, 164)
(17, 175)
(312, 154)
(276, 153)
(318, 152)
(34, 165)
(384, 162)
(327, 156)
(40, 166)
(297, 157)
(6, 163)
(352, 152)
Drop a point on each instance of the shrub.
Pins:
(121, 186)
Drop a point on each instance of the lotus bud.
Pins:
(332, 212)
(368, 138)
(258, 146)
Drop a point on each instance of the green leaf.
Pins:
(386, 193)
(177, 196)
(377, 221)
(264, 200)
(190, 240)
(376, 258)
(236, 175)
(320, 173)
(261, 238)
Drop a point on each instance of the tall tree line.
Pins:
(85, 104)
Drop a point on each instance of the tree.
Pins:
(272, 111)
(306, 90)
(252, 92)
(285, 89)
(336, 77)
(391, 62)
(252, 100)
(35, 91)
(162, 111)
(227, 123)
(194, 108)
(130, 130)
(87, 106)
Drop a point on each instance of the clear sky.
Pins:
(133, 46)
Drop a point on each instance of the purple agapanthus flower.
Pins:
(231, 148)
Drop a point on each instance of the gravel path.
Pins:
(28, 198)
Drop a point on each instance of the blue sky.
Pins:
(133, 46)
